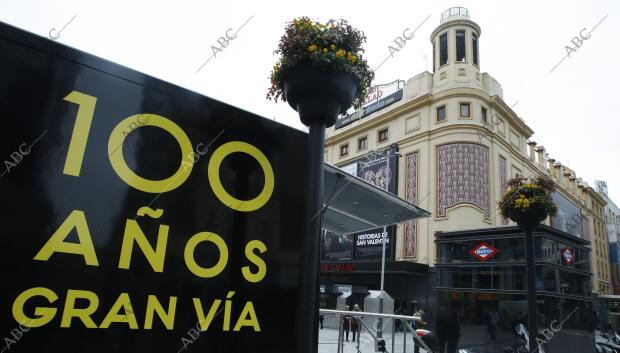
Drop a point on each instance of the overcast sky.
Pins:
(572, 109)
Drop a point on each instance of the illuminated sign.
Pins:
(337, 267)
(140, 216)
(483, 251)
(568, 255)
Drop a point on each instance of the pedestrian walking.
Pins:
(355, 325)
(443, 327)
(453, 332)
(346, 323)
(321, 318)
(492, 320)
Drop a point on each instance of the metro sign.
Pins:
(568, 256)
(483, 251)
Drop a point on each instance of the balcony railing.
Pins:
(454, 12)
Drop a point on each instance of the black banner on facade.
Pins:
(368, 245)
(369, 109)
(139, 216)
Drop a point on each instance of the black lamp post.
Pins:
(319, 96)
(528, 222)
(532, 306)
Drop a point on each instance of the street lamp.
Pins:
(383, 240)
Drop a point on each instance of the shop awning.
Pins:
(353, 205)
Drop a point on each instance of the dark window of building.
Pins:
(546, 276)
(443, 49)
(483, 277)
(383, 135)
(344, 150)
(460, 45)
(362, 143)
(474, 47)
(464, 110)
(441, 113)
(483, 114)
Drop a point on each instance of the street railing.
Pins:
(377, 333)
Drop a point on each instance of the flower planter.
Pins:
(318, 94)
(321, 71)
(526, 220)
(528, 202)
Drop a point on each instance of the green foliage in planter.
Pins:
(335, 46)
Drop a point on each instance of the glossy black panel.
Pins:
(38, 195)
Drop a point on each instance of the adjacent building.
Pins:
(612, 225)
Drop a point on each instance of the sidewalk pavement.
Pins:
(328, 339)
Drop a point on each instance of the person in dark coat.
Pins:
(453, 333)
(355, 325)
(492, 319)
(442, 329)
(448, 331)
(346, 323)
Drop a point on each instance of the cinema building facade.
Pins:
(447, 142)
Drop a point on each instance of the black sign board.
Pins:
(139, 216)
(369, 109)
(368, 245)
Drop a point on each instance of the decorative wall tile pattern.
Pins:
(503, 180)
(462, 177)
(411, 194)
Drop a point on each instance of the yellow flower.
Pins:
(312, 48)
(340, 53)
(324, 50)
(332, 47)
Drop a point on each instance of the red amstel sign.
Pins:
(483, 251)
(337, 267)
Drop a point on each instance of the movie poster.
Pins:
(380, 169)
(337, 246)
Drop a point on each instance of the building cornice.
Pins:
(499, 102)
(595, 195)
(369, 122)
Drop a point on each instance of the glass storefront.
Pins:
(483, 277)
(459, 251)
(487, 320)
(482, 282)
